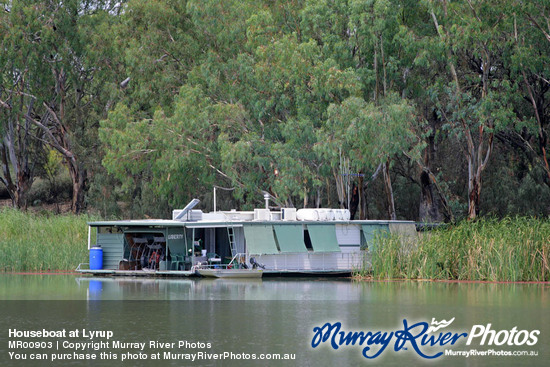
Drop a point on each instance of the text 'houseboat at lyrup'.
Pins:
(236, 243)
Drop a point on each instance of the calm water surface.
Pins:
(270, 316)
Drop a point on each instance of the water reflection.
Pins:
(120, 288)
(274, 315)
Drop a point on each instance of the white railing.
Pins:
(326, 261)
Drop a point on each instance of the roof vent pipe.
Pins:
(266, 198)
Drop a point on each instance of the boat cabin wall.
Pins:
(179, 242)
(111, 241)
(132, 248)
(318, 237)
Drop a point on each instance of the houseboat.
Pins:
(237, 243)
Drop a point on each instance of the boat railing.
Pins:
(237, 257)
(79, 267)
(233, 264)
(323, 261)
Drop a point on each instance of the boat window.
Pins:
(290, 237)
(348, 234)
(260, 239)
(108, 229)
(307, 240)
(370, 231)
(323, 238)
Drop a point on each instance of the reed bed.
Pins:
(511, 249)
(38, 243)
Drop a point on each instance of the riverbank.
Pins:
(31, 242)
(507, 250)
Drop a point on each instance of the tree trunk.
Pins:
(362, 198)
(473, 203)
(474, 190)
(477, 160)
(389, 191)
(24, 183)
(354, 202)
(433, 204)
(538, 103)
(430, 208)
(6, 178)
(61, 142)
(78, 176)
(15, 158)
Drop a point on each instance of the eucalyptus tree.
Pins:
(52, 87)
(173, 155)
(530, 69)
(290, 86)
(385, 130)
(23, 73)
(160, 139)
(257, 90)
(365, 38)
(473, 96)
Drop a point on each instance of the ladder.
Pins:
(232, 243)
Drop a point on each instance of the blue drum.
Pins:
(96, 258)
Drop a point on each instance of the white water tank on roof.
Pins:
(346, 214)
(307, 214)
(323, 215)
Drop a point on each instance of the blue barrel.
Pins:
(96, 258)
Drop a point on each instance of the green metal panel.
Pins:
(176, 241)
(290, 237)
(370, 231)
(113, 247)
(260, 239)
(323, 238)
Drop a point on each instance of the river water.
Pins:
(253, 322)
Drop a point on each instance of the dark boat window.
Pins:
(307, 240)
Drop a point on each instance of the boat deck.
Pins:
(190, 273)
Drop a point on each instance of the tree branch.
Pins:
(52, 140)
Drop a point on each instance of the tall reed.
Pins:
(33, 242)
(511, 249)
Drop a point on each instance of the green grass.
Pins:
(33, 242)
(511, 249)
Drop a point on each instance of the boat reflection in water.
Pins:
(137, 288)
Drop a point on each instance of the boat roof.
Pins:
(177, 223)
(190, 218)
(138, 223)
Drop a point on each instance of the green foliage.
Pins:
(374, 133)
(53, 163)
(270, 96)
